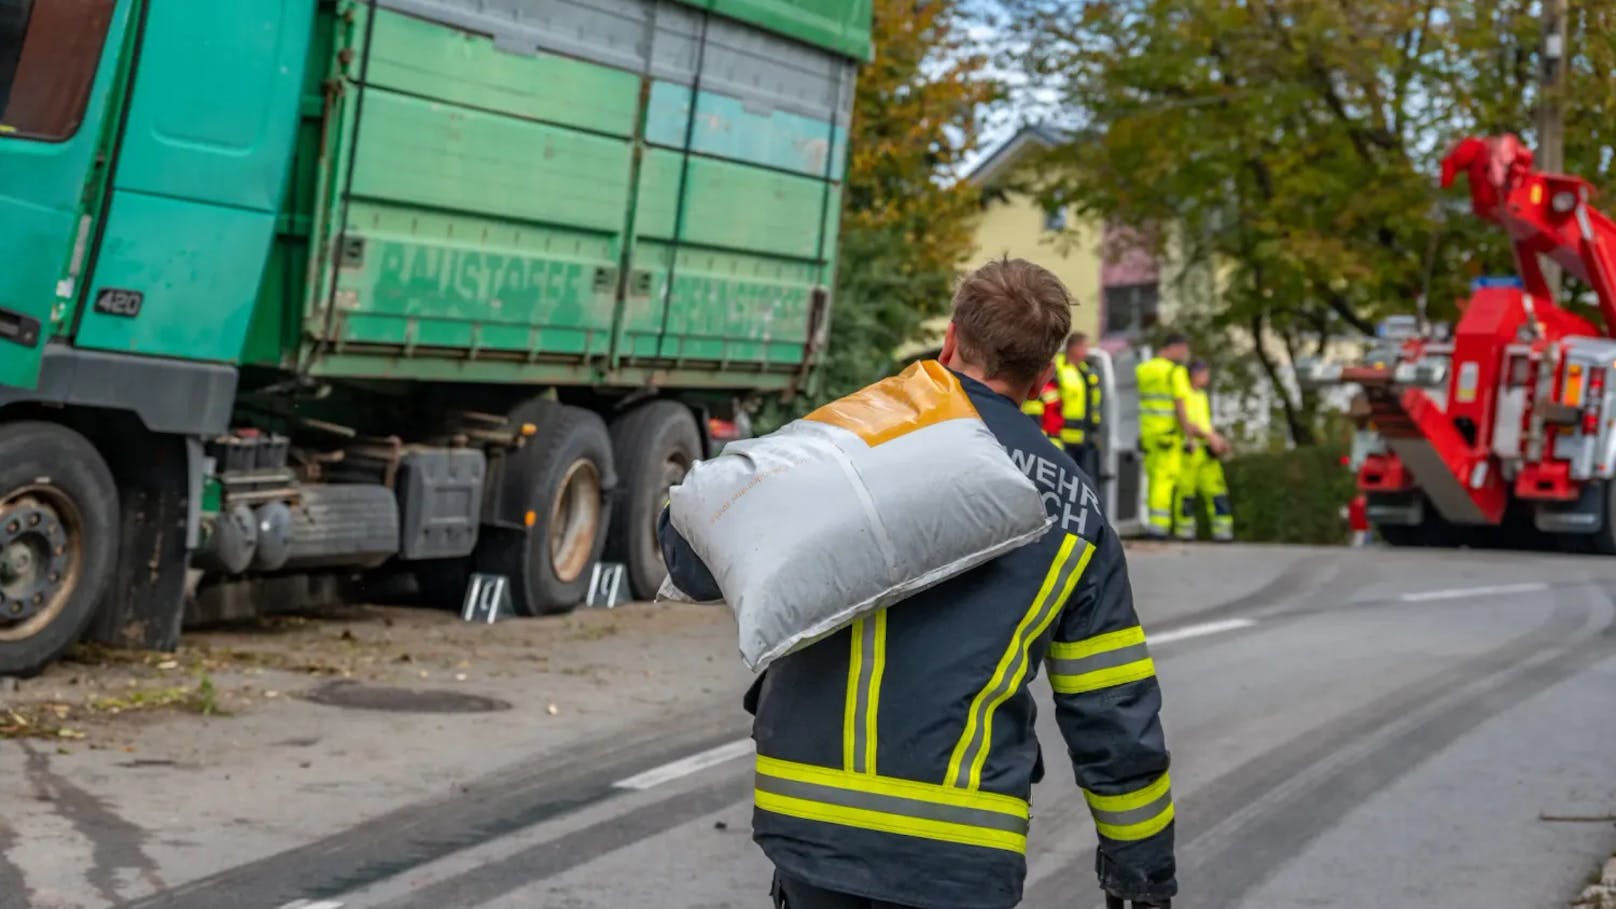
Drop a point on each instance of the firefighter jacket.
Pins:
(1162, 383)
(895, 758)
(1080, 400)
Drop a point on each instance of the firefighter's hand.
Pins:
(1220, 445)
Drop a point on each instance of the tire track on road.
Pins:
(1270, 809)
(493, 807)
(476, 813)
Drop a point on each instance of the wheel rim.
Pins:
(41, 558)
(673, 473)
(575, 520)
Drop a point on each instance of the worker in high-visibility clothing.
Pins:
(1044, 408)
(1164, 390)
(1201, 479)
(896, 757)
(1080, 404)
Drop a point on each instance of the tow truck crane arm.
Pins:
(1545, 215)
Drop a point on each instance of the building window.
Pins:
(48, 57)
(1055, 218)
(1131, 308)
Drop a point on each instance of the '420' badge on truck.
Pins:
(114, 301)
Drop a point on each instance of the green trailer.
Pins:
(296, 291)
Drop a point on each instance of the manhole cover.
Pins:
(360, 696)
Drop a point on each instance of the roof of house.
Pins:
(999, 160)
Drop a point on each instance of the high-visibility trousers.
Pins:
(1164, 461)
(1202, 480)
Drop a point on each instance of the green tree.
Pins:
(1292, 145)
(906, 220)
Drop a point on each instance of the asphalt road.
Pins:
(1350, 728)
(1366, 728)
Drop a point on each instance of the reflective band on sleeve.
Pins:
(1136, 815)
(890, 805)
(1114, 658)
(971, 752)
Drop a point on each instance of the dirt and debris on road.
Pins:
(97, 695)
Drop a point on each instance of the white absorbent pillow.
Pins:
(866, 501)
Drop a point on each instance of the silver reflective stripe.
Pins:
(1133, 815)
(1014, 672)
(892, 804)
(1098, 661)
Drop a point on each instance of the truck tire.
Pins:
(567, 469)
(655, 446)
(1604, 539)
(58, 541)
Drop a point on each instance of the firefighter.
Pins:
(1163, 427)
(895, 758)
(1202, 476)
(1080, 404)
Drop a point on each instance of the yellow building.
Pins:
(1017, 225)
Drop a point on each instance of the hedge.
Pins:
(1291, 496)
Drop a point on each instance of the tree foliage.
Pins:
(906, 221)
(1292, 145)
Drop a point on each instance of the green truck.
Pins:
(297, 290)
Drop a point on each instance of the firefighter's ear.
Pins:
(1044, 378)
(950, 346)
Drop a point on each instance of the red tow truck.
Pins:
(1502, 429)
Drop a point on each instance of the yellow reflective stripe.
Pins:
(1103, 678)
(1111, 640)
(872, 695)
(1128, 801)
(892, 786)
(1143, 830)
(971, 751)
(1105, 660)
(887, 822)
(866, 662)
(850, 709)
(1135, 815)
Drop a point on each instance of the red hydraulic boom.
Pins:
(1493, 414)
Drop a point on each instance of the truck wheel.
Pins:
(567, 465)
(655, 446)
(58, 541)
(1604, 539)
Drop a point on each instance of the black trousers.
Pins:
(790, 894)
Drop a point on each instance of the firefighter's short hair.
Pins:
(1011, 318)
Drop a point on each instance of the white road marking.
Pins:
(305, 904)
(1195, 631)
(1459, 593)
(656, 776)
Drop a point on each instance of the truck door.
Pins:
(57, 65)
(201, 165)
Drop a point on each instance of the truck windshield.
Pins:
(48, 55)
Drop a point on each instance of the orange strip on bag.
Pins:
(920, 396)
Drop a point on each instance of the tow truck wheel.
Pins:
(654, 447)
(58, 541)
(1604, 539)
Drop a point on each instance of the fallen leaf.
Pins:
(460, 676)
(67, 733)
(168, 664)
(272, 694)
(552, 710)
